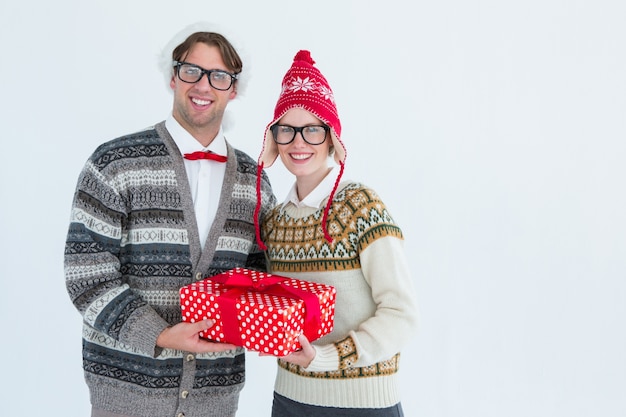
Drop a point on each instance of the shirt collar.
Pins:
(187, 143)
(315, 197)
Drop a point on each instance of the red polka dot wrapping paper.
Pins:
(257, 315)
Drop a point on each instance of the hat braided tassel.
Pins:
(257, 209)
(327, 236)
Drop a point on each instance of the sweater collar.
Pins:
(316, 198)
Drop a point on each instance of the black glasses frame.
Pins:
(297, 130)
(179, 64)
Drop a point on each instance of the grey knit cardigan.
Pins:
(132, 243)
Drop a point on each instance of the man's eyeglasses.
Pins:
(218, 79)
(312, 134)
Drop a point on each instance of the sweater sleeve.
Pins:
(395, 320)
(93, 274)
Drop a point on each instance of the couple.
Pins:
(151, 214)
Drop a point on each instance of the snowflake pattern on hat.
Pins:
(295, 84)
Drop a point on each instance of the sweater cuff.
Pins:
(326, 359)
(143, 330)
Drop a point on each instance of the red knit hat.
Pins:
(304, 87)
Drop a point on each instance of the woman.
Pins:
(340, 234)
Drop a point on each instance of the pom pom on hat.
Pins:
(305, 87)
(305, 56)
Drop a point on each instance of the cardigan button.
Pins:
(198, 276)
(184, 394)
(190, 357)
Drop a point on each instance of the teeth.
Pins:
(200, 102)
(300, 155)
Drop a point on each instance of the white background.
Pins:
(494, 130)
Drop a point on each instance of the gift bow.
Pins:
(239, 283)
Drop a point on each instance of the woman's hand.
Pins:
(304, 356)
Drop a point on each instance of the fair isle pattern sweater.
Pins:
(375, 312)
(132, 243)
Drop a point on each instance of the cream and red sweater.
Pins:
(376, 310)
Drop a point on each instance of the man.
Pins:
(146, 221)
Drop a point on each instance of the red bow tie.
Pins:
(205, 155)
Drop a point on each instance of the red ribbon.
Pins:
(238, 284)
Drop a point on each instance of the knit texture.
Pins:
(375, 313)
(132, 243)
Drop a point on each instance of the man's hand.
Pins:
(185, 336)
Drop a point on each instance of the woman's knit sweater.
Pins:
(132, 244)
(375, 312)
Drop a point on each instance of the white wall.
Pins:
(494, 131)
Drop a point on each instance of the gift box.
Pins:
(259, 311)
